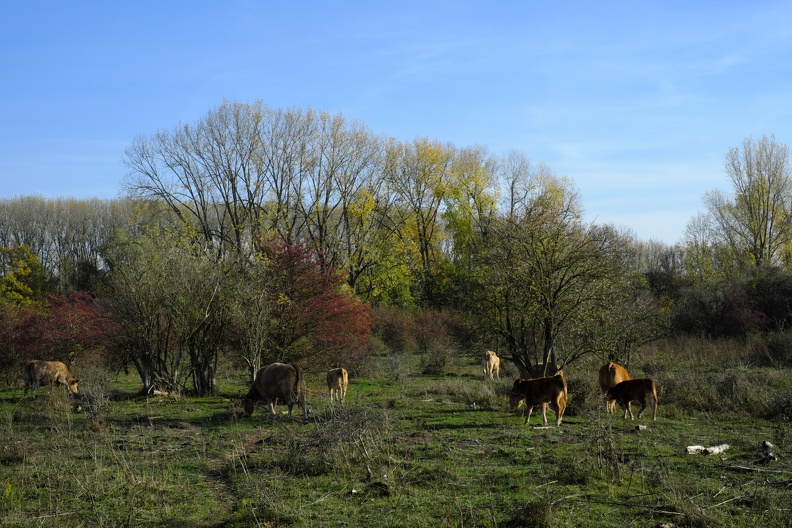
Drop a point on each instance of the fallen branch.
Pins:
(714, 450)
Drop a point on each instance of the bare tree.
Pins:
(67, 235)
(545, 276)
(211, 175)
(755, 218)
(166, 298)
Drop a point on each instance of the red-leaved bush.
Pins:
(319, 318)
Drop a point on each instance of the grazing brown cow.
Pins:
(611, 375)
(337, 381)
(39, 372)
(278, 381)
(541, 391)
(490, 364)
(631, 390)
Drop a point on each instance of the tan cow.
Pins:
(611, 375)
(490, 364)
(39, 372)
(278, 381)
(337, 381)
(631, 390)
(540, 391)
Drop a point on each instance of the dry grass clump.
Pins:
(467, 393)
(345, 441)
(537, 513)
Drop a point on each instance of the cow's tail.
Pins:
(299, 390)
(654, 393)
(298, 380)
(564, 383)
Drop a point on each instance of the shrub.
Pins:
(779, 350)
(435, 362)
(395, 329)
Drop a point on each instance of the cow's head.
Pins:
(249, 405)
(73, 386)
(516, 401)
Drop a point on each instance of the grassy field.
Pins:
(406, 450)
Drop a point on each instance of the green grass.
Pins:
(408, 452)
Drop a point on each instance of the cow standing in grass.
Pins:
(39, 372)
(632, 390)
(490, 364)
(278, 381)
(337, 381)
(611, 375)
(540, 391)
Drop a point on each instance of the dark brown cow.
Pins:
(541, 391)
(278, 381)
(611, 375)
(631, 390)
(337, 382)
(39, 372)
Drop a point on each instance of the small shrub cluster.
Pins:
(435, 362)
(778, 352)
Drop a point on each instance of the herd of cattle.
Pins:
(280, 382)
(614, 381)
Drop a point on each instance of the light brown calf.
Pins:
(611, 375)
(278, 381)
(490, 364)
(631, 390)
(540, 391)
(39, 372)
(337, 381)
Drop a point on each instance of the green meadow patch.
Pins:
(406, 450)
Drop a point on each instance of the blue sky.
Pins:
(636, 102)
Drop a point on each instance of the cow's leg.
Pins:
(629, 409)
(272, 402)
(643, 406)
(654, 413)
(626, 407)
(528, 416)
(290, 405)
(544, 414)
(559, 411)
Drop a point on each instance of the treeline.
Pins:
(264, 232)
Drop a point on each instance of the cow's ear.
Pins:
(76, 381)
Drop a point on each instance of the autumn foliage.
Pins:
(62, 328)
(319, 319)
